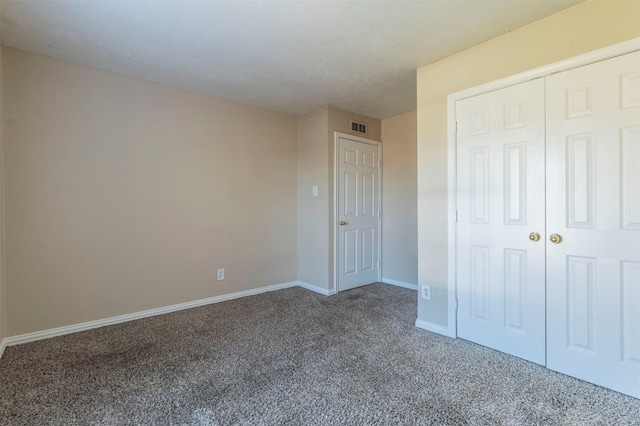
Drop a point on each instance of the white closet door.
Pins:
(358, 207)
(500, 270)
(593, 204)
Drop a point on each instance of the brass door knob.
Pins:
(555, 238)
(343, 223)
(534, 236)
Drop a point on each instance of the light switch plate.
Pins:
(426, 292)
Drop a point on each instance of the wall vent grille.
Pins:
(358, 127)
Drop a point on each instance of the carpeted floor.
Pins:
(290, 357)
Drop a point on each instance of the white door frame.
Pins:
(575, 62)
(336, 230)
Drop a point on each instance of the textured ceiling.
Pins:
(289, 56)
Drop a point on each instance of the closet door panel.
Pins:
(593, 204)
(500, 270)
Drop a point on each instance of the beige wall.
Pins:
(579, 29)
(340, 121)
(3, 304)
(399, 201)
(316, 167)
(313, 243)
(124, 195)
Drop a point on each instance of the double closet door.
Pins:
(548, 231)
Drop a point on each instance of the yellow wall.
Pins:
(124, 195)
(585, 27)
(399, 207)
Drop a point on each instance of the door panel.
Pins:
(350, 252)
(630, 312)
(515, 267)
(593, 199)
(358, 210)
(500, 271)
(630, 177)
(515, 178)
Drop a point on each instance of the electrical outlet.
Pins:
(220, 275)
(426, 292)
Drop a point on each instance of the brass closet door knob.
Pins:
(343, 223)
(555, 238)
(534, 236)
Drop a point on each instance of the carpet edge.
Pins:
(83, 326)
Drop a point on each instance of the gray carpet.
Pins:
(290, 357)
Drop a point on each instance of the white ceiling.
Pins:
(289, 56)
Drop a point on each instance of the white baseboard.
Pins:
(436, 328)
(400, 283)
(61, 331)
(315, 288)
(3, 345)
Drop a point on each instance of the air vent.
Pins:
(358, 127)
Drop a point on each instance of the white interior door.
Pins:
(500, 270)
(358, 207)
(593, 199)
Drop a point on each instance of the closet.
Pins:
(548, 221)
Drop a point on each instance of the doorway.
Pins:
(357, 202)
